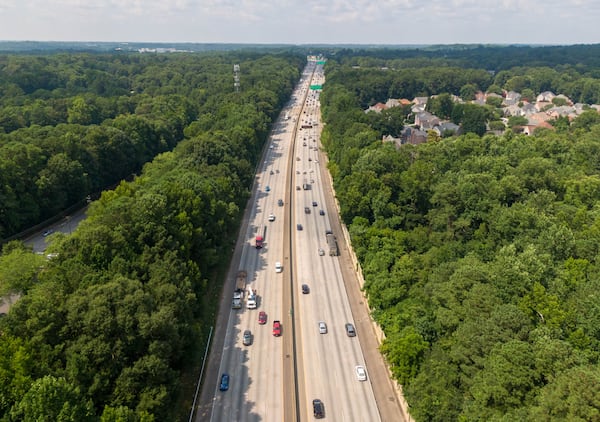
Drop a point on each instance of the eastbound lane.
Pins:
(329, 359)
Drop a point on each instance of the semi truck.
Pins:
(240, 286)
(332, 244)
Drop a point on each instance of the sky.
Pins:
(304, 21)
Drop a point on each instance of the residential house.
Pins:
(392, 102)
(562, 111)
(445, 128)
(413, 136)
(528, 108)
(511, 98)
(426, 121)
(377, 108)
(537, 118)
(545, 97)
(419, 104)
(529, 129)
(513, 110)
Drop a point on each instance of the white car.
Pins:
(278, 267)
(321, 252)
(361, 373)
(271, 217)
(322, 327)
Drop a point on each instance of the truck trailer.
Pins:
(240, 286)
(332, 244)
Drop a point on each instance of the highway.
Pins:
(261, 375)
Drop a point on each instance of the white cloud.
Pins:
(303, 21)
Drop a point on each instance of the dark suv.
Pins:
(318, 409)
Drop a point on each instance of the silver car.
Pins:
(247, 339)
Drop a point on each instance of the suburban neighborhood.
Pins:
(546, 108)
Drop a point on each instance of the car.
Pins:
(318, 409)
(361, 374)
(322, 327)
(297, 187)
(272, 172)
(247, 338)
(299, 226)
(278, 267)
(280, 202)
(224, 382)
(321, 252)
(321, 212)
(306, 210)
(309, 159)
(303, 144)
(268, 189)
(271, 217)
(47, 232)
(297, 158)
(328, 231)
(262, 317)
(314, 203)
(305, 289)
(276, 328)
(350, 331)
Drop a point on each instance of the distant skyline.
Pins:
(304, 22)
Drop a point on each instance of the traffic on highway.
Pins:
(291, 350)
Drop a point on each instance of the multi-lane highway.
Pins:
(276, 378)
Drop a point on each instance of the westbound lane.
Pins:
(257, 384)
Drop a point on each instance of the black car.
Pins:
(314, 203)
(305, 289)
(280, 202)
(321, 212)
(299, 226)
(306, 210)
(318, 409)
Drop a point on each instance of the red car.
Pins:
(276, 328)
(262, 317)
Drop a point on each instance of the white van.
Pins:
(278, 267)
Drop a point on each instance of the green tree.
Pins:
(573, 396)
(468, 91)
(404, 353)
(51, 398)
(124, 414)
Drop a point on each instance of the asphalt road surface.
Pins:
(277, 378)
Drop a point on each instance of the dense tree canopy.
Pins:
(480, 253)
(105, 325)
(93, 120)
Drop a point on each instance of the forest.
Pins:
(109, 318)
(479, 253)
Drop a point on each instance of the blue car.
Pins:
(224, 382)
(267, 189)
